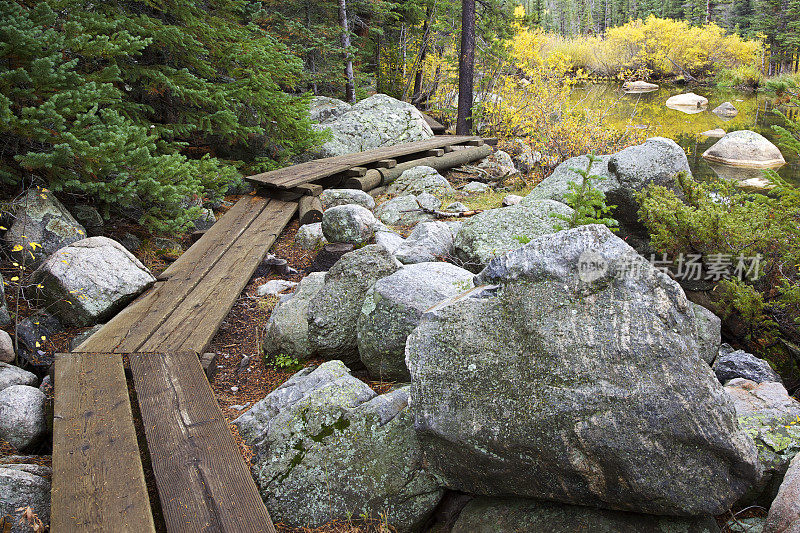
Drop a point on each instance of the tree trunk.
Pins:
(466, 68)
(423, 51)
(349, 88)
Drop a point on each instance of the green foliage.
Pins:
(741, 76)
(716, 217)
(588, 202)
(287, 362)
(143, 106)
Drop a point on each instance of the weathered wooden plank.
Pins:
(98, 481)
(194, 322)
(203, 483)
(133, 325)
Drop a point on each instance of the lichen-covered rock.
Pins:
(333, 313)
(374, 122)
(498, 164)
(405, 210)
(456, 207)
(709, 332)
(389, 240)
(556, 185)
(430, 241)
(22, 419)
(333, 197)
(90, 280)
(287, 329)
(22, 487)
(14, 375)
(497, 231)
(204, 220)
(328, 447)
(392, 309)
(83, 336)
(769, 415)
(40, 218)
(745, 148)
(88, 217)
(475, 187)
(572, 373)
(784, 513)
(418, 180)
(310, 236)
(511, 199)
(493, 515)
(740, 364)
(351, 224)
(324, 109)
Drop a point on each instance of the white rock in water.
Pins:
(687, 100)
(726, 110)
(639, 86)
(745, 148)
(717, 133)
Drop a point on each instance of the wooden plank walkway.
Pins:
(289, 177)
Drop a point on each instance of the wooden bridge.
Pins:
(202, 482)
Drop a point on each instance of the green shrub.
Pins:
(587, 201)
(740, 76)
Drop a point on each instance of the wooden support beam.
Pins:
(208, 361)
(386, 163)
(475, 142)
(377, 191)
(491, 141)
(370, 180)
(309, 189)
(355, 172)
(310, 210)
(453, 159)
(436, 152)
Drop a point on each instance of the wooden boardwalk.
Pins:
(203, 484)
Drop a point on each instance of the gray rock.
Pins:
(327, 447)
(90, 280)
(5, 316)
(492, 515)
(310, 236)
(89, 218)
(19, 488)
(511, 199)
(769, 415)
(405, 210)
(14, 375)
(287, 329)
(572, 373)
(784, 513)
(7, 354)
(726, 110)
(324, 109)
(377, 121)
(392, 309)
(418, 180)
(745, 148)
(555, 186)
(30, 332)
(709, 332)
(164, 243)
(205, 220)
(456, 207)
(524, 157)
(430, 241)
(753, 524)
(131, 242)
(83, 336)
(274, 287)
(22, 419)
(740, 364)
(497, 231)
(332, 315)
(351, 224)
(389, 240)
(475, 187)
(655, 162)
(42, 219)
(333, 197)
(498, 164)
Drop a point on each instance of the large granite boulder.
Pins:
(14, 375)
(333, 197)
(392, 309)
(769, 416)
(350, 224)
(407, 210)
(22, 418)
(377, 121)
(745, 148)
(287, 329)
(493, 515)
(556, 185)
(90, 280)
(497, 231)
(740, 364)
(324, 109)
(418, 180)
(572, 373)
(41, 219)
(430, 241)
(24, 486)
(784, 513)
(709, 332)
(327, 447)
(333, 312)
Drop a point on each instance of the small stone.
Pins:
(389, 240)
(22, 418)
(131, 242)
(740, 364)
(205, 220)
(511, 199)
(475, 187)
(456, 207)
(418, 180)
(234, 389)
(310, 236)
(430, 241)
(89, 218)
(275, 287)
(726, 110)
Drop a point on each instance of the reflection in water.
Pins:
(689, 110)
(749, 178)
(648, 110)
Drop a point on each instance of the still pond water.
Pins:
(647, 111)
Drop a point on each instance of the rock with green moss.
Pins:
(333, 313)
(772, 419)
(328, 447)
(287, 330)
(491, 515)
(392, 309)
(572, 373)
(497, 231)
(41, 219)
